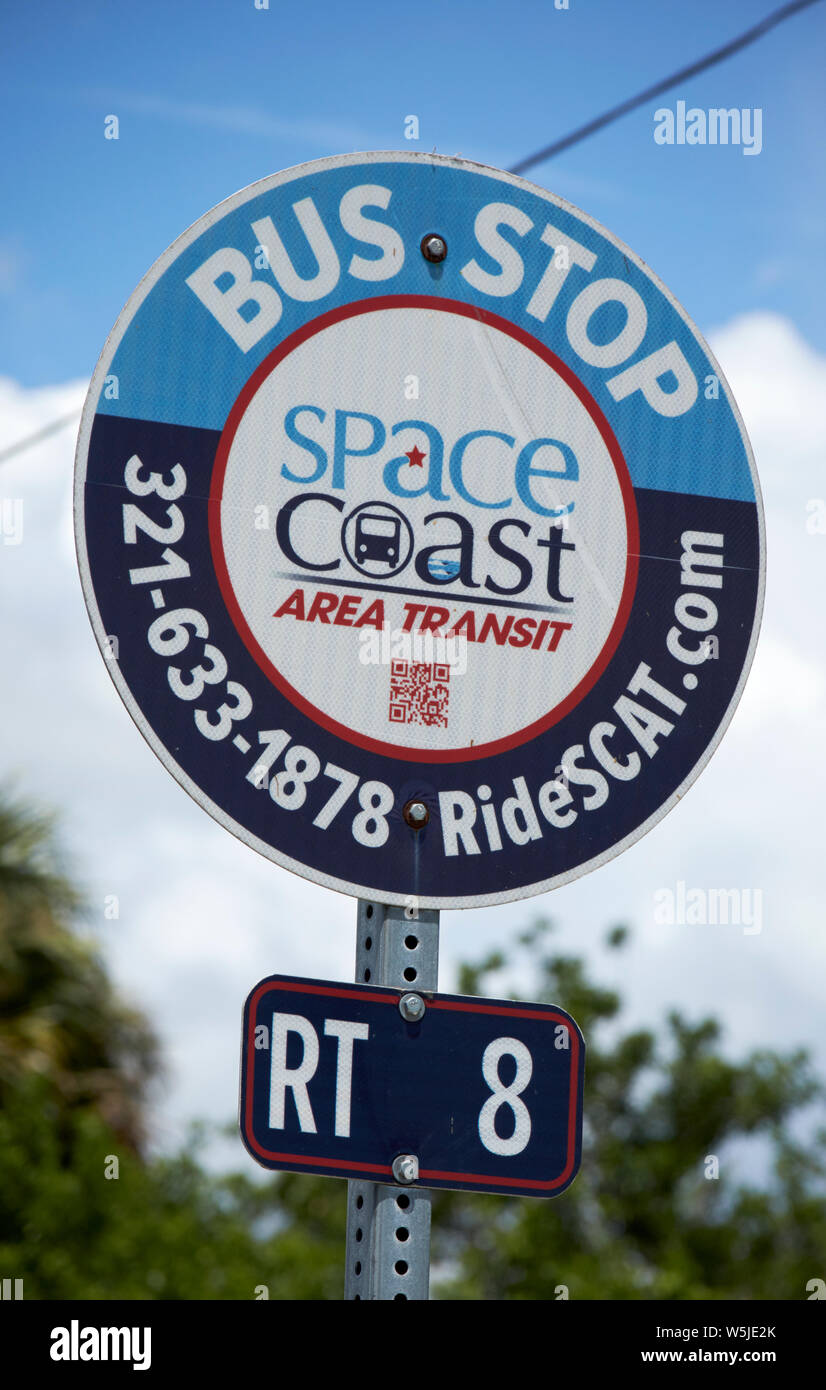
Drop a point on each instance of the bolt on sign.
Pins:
(419, 488)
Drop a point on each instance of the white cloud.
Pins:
(779, 382)
(202, 918)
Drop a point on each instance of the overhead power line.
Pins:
(719, 54)
(36, 438)
(573, 138)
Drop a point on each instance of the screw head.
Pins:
(412, 1007)
(434, 248)
(406, 1168)
(416, 814)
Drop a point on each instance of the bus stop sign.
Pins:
(403, 483)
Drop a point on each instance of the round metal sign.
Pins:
(419, 529)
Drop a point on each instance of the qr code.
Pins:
(419, 692)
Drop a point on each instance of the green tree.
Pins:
(60, 1019)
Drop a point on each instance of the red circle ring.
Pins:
(375, 745)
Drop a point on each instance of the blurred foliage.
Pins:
(163, 1228)
(77, 1068)
(642, 1220)
(59, 1016)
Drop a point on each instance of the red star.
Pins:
(416, 457)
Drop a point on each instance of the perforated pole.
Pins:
(388, 1226)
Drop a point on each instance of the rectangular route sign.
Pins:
(486, 1094)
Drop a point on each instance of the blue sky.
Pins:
(212, 96)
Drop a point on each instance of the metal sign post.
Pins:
(388, 1228)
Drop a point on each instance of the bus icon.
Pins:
(378, 537)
